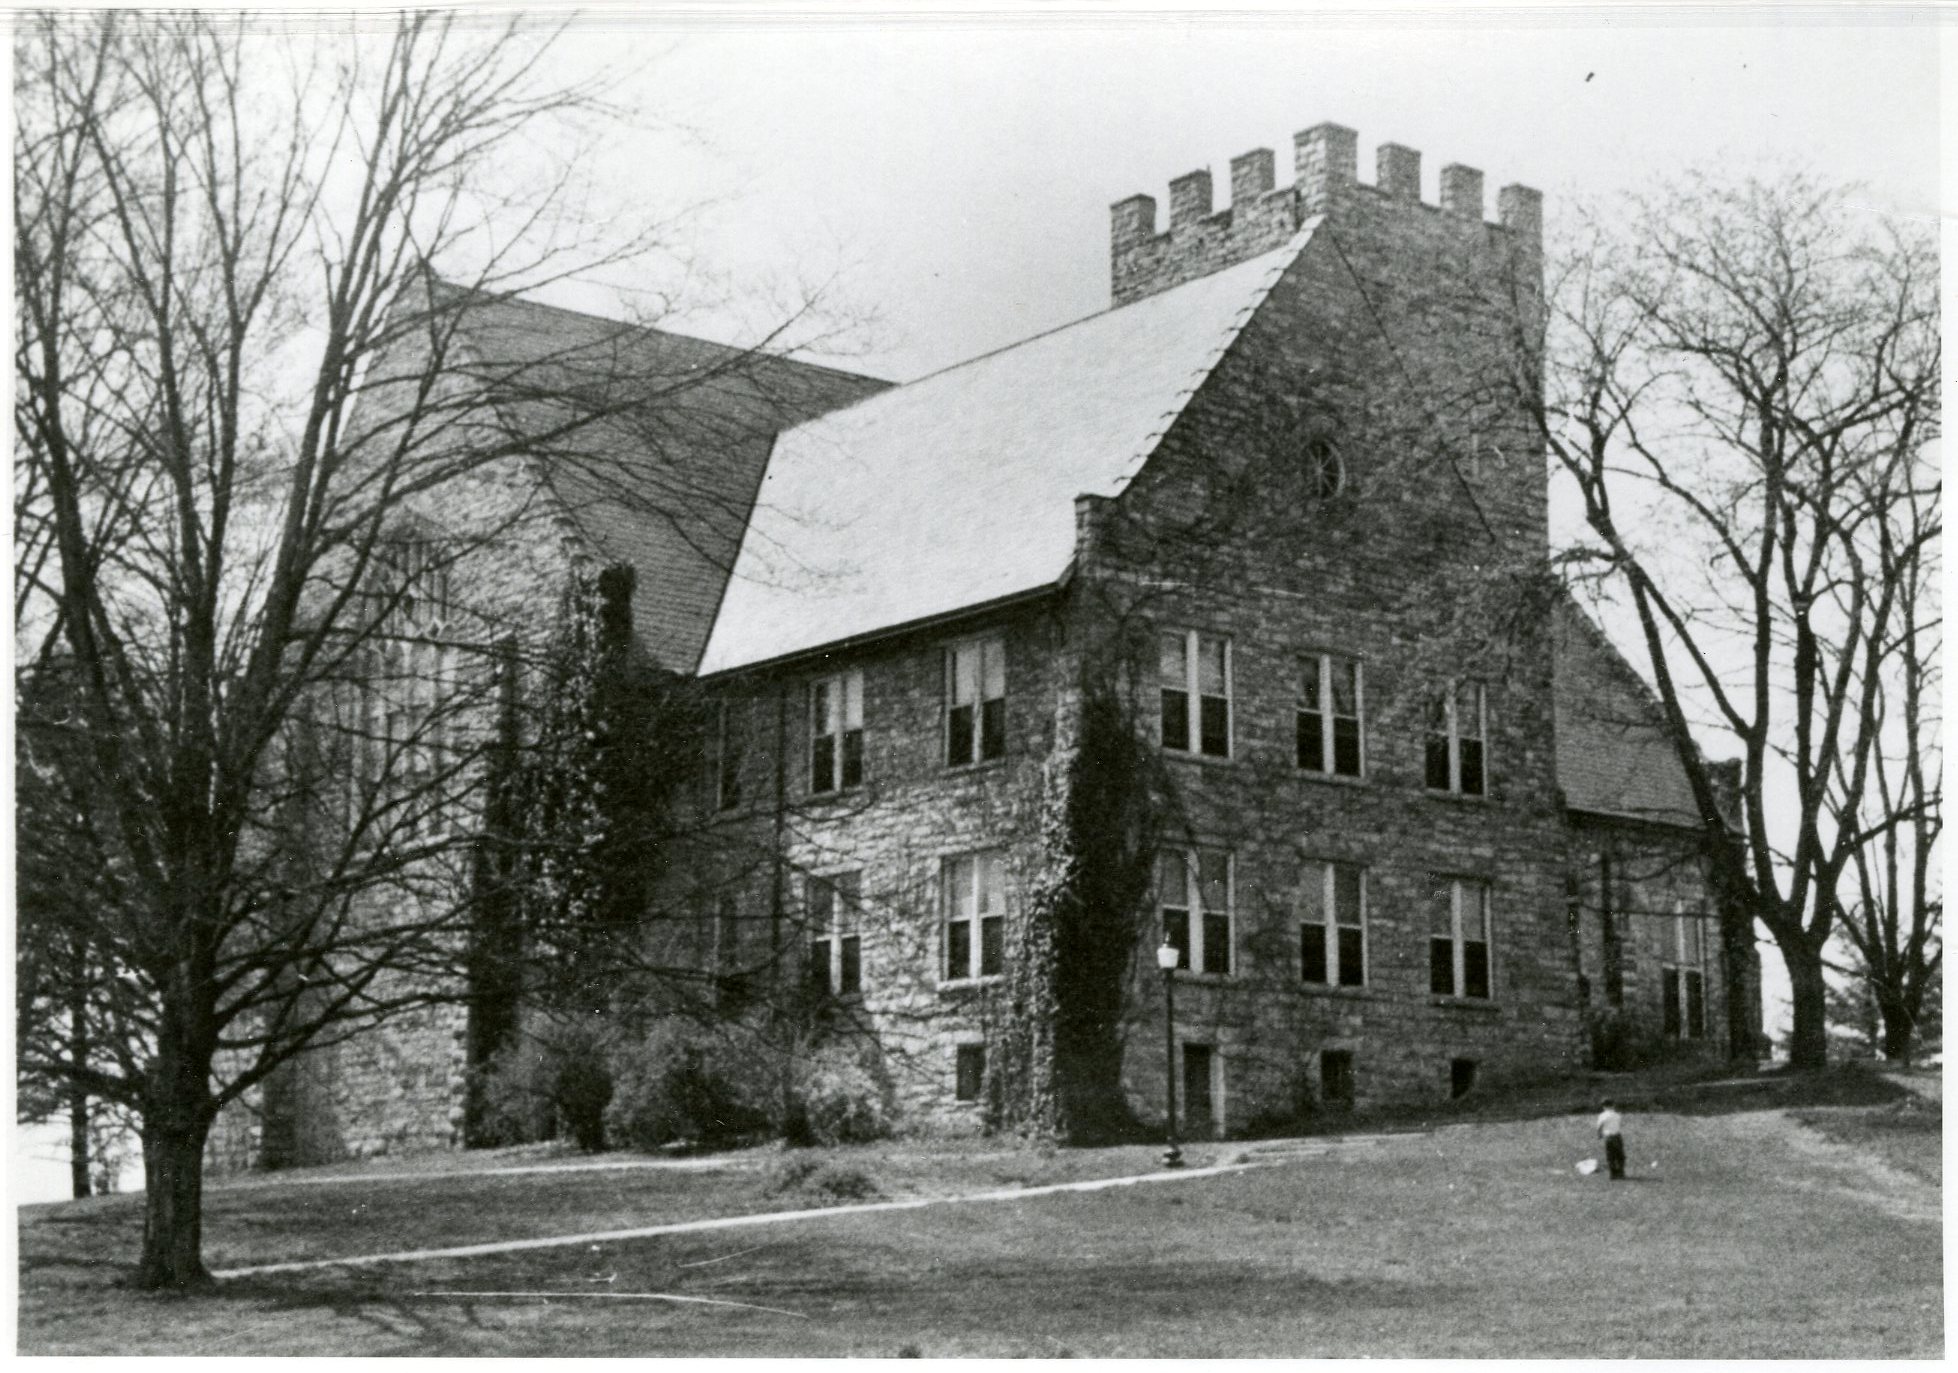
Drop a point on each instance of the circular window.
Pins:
(1325, 474)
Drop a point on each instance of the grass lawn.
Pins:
(1746, 1234)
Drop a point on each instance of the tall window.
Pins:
(1329, 730)
(1194, 889)
(836, 732)
(729, 989)
(1458, 938)
(974, 900)
(835, 947)
(1685, 976)
(1458, 725)
(975, 702)
(730, 752)
(1196, 687)
(1332, 925)
(408, 724)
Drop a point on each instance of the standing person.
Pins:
(1611, 1131)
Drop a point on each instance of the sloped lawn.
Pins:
(1745, 1235)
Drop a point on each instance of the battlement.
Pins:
(1202, 239)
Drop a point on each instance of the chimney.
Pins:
(1189, 199)
(1397, 171)
(1325, 162)
(1252, 175)
(1461, 191)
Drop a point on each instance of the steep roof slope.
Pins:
(662, 470)
(957, 490)
(1614, 756)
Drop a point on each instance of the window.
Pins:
(975, 702)
(975, 916)
(969, 1071)
(1685, 976)
(408, 709)
(835, 948)
(1194, 889)
(730, 991)
(1325, 474)
(730, 752)
(1336, 1077)
(1458, 723)
(1329, 715)
(1332, 925)
(1458, 938)
(836, 732)
(1461, 1077)
(1199, 1097)
(1196, 686)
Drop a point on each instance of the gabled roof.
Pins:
(957, 490)
(1614, 755)
(664, 478)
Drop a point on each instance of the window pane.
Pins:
(1672, 1003)
(1216, 943)
(822, 903)
(1176, 932)
(1696, 1004)
(1214, 872)
(965, 674)
(1173, 880)
(1352, 958)
(1216, 725)
(1309, 696)
(1173, 659)
(1176, 719)
(1472, 767)
(1312, 741)
(822, 763)
(850, 980)
(1475, 968)
(1695, 952)
(992, 883)
(958, 737)
(1441, 909)
(1471, 703)
(958, 949)
(1312, 894)
(992, 728)
(1346, 746)
(1441, 967)
(848, 887)
(1346, 893)
(959, 890)
(1437, 777)
(822, 707)
(1312, 952)
(1346, 686)
(992, 945)
(1211, 654)
(819, 967)
(993, 669)
(853, 700)
(853, 758)
(971, 1071)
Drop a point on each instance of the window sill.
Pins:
(1337, 779)
(1487, 1005)
(1177, 755)
(817, 798)
(1469, 798)
(968, 769)
(1359, 993)
(1190, 975)
(965, 986)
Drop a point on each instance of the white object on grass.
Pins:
(1587, 1166)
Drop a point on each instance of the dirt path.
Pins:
(1850, 1172)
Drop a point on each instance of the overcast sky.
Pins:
(958, 175)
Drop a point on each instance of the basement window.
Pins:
(969, 1072)
(1461, 1078)
(1336, 1077)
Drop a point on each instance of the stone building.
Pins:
(1414, 827)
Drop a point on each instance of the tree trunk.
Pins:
(1899, 1030)
(173, 1214)
(1808, 1044)
(78, 1157)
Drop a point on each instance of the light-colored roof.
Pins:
(957, 490)
(1614, 755)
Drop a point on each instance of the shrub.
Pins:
(837, 1098)
(553, 1081)
(677, 1084)
(513, 1096)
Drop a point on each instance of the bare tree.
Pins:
(1742, 386)
(269, 489)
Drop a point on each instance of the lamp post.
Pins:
(1167, 959)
